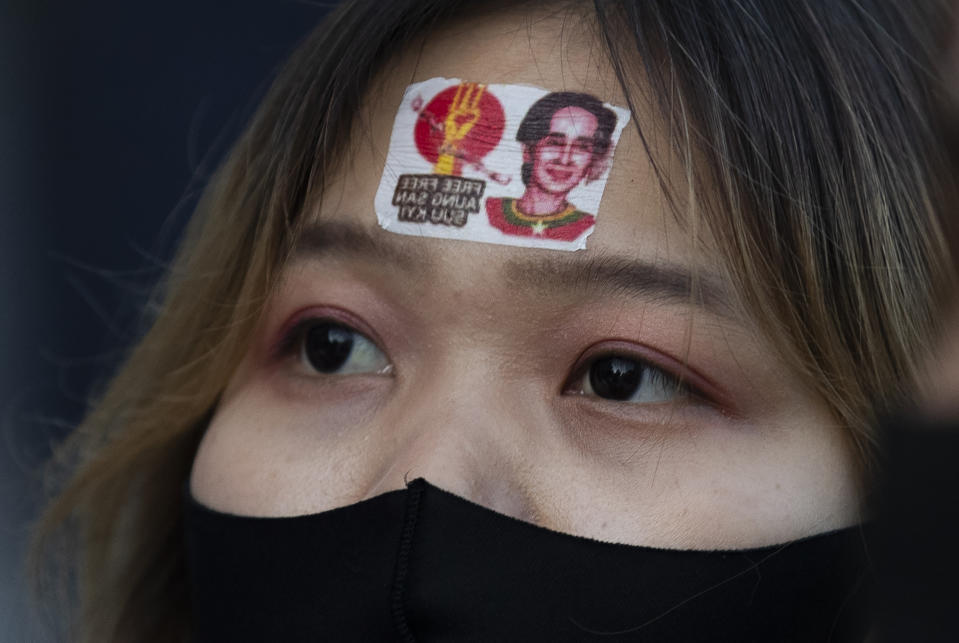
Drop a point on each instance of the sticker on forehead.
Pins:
(508, 164)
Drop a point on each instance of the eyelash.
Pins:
(649, 370)
(292, 343)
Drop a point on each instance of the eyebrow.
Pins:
(600, 272)
(615, 275)
(326, 238)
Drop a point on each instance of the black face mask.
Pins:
(421, 564)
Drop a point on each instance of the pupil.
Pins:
(615, 378)
(328, 346)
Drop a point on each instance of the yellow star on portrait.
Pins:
(538, 227)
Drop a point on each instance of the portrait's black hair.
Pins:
(535, 124)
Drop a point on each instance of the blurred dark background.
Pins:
(112, 117)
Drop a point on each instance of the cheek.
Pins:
(268, 454)
(710, 485)
(547, 155)
(581, 159)
(772, 484)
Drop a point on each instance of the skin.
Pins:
(942, 396)
(940, 401)
(560, 161)
(485, 345)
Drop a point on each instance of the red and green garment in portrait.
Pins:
(567, 225)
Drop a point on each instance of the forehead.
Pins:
(557, 51)
(573, 120)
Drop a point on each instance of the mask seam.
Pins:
(402, 564)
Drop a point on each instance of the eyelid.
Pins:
(699, 386)
(291, 330)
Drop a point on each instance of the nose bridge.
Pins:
(566, 156)
(462, 441)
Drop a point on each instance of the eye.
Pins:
(627, 379)
(584, 146)
(554, 140)
(332, 348)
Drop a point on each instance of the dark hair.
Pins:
(535, 124)
(807, 150)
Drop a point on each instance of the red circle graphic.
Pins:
(482, 137)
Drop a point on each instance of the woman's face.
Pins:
(542, 384)
(562, 157)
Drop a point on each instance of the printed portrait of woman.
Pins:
(567, 141)
(505, 163)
